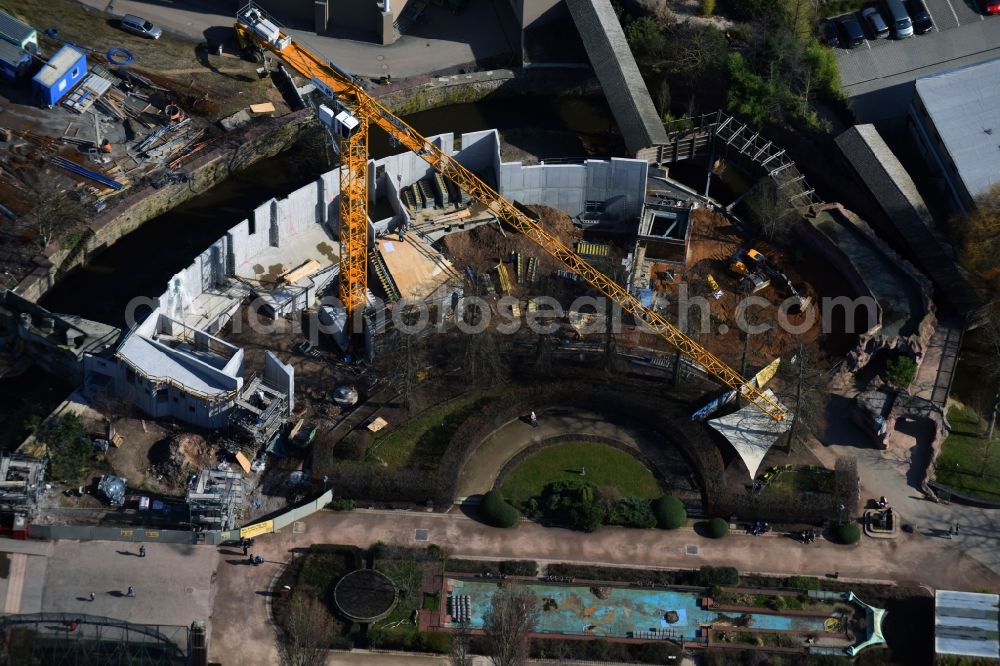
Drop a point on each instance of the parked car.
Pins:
(140, 26)
(852, 32)
(831, 36)
(875, 21)
(922, 21)
(990, 6)
(902, 26)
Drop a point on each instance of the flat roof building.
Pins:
(966, 624)
(59, 75)
(18, 33)
(956, 117)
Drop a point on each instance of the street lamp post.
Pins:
(840, 512)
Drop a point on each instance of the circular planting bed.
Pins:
(365, 595)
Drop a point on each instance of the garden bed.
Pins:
(964, 463)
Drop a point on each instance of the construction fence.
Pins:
(148, 535)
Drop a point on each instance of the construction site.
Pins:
(278, 339)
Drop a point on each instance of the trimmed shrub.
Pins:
(436, 641)
(803, 582)
(846, 533)
(717, 528)
(900, 371)
(497, 512)
(631, 512)
(342, 505)
(670, 513)
(709, 576)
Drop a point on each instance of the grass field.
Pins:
(422, 440)
(800, 481)
(605, 465)
(963, 463)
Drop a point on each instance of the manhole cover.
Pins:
(420, 535)
(380, 58)
(298, 527)
(385, 66)
(691, 549)
(189, 590)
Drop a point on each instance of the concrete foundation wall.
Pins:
(619, 184)
(280, 376)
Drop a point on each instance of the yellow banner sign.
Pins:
(249, 531)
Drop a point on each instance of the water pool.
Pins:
(577, 610)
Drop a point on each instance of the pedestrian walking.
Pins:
(956, 528)
(142, 551)
(131, 591)
(246, 548)
(533, 418)
(951, 531)
(91, 596)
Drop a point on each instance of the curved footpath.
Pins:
(480, 472)
(240, 625)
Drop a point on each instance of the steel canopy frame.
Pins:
(367, 109)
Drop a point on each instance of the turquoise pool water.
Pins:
(577, 610)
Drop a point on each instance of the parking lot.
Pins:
(962, 35)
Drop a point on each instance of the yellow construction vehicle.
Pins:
(258, 33)
(746, 261)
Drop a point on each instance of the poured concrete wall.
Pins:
(618, 184)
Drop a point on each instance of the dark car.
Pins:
(922, 21)
(875, 21)
(990, 6)
(831, 37)
(851, 29)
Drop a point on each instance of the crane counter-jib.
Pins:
(370, 110)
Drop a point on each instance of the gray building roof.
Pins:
(615, 67)
(897, 196)
(157, 362)
(964, 105)
(10, 53)
(966, 624)
(14, 31)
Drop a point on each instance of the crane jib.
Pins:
(369, 110)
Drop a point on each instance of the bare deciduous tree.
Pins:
(508, 623)
(52, 212)
(461, 649)
(308, 631)
(809, 383)
(772, 210)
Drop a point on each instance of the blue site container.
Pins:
(59, 75)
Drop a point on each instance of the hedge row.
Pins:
(505, 567)
(706, 576)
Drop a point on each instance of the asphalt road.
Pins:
(878, 75)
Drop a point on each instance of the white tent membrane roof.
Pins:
(751, 432)
(967, 624)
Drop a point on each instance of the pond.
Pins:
(577, 610)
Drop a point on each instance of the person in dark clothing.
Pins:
(142, 551)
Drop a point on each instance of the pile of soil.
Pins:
(486, 246)
(176, 458)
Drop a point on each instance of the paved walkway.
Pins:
(895, 473)
(443, 40)
(240, 622)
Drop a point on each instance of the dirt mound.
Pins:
(486, 246)
(176, 457)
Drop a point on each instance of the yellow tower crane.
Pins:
(256, 31)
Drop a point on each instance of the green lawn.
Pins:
(797, 482)
(963, 463)
(421, 441)
(605, 465)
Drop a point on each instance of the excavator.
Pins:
(258, 34)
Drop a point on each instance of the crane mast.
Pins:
(254, 29)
